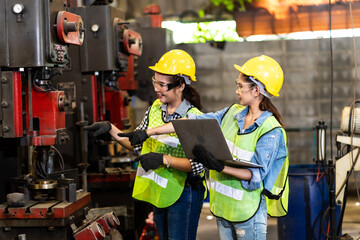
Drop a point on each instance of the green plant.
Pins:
(217, 8)
(229, 5)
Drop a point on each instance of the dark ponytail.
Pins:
(266, 105)
(190, 93)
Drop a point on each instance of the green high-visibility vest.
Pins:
(163, 186)
(228, 199)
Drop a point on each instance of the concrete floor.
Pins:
(351, 224)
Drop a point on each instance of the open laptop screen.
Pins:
(206, 132)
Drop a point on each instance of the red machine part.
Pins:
(46, 110)
(93, 231)
(70, 28)
(154, 11)
(116, 106)
(128, 82)
(94, 101)
(108, 221)
(116, 103)
(41, 210)
(18, 124)
(132, 42)
(132, 45)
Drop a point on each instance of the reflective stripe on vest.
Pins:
(238, 152)
(226, 190)
(162, 182)
(229, 200)
(163, 186)
(167, 140)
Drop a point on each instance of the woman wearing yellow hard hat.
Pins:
(165, 178)
(241, 198)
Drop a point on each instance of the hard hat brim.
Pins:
(156, 69)
(237, 67)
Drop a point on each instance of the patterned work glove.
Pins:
(206, 158)
(150, 160)
(99, 128)
(135, 137)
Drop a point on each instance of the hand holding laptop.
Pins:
(206, 158)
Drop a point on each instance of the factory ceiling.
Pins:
(278, 17)
(259, 17)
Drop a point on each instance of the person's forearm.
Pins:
(241, 173)
(182, 164)
(121, 140)
(164, 129)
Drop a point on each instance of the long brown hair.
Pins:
(266, 104)
(190, 93)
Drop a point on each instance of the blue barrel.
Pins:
(308, 201)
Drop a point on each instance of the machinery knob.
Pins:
(70, 26)
(5, 129)
(61, 102)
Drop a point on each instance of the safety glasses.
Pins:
(165, 86)
(239, 86)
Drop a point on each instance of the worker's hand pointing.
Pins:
(99, 128)
(206, 158)
(136, 137)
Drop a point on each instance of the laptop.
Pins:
(206, 132)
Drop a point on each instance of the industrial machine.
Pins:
(318, 193)
(103, 72)
(112, 68)
(348, 143)
(65, 65)
(39, 180)
(36, 37)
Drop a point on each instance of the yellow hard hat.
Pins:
(266, 70)
(176, 62)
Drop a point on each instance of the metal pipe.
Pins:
(30, 160)
(84, 143)
(103, 94)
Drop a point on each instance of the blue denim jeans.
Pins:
(253, 229)
(180, 220)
